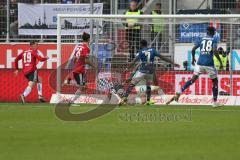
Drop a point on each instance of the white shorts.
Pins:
(142, 77)
(211, 71)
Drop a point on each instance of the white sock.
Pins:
(27, 91)
(115, 94)
(39, 87)
(154, 88)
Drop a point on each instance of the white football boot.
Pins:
(217, 105)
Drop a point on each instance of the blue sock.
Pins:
(148, 93)
(187, 84)
(215, 93)
(215, 90)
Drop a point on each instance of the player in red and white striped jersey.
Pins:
(29, 62)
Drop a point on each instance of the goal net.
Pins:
(115, 41)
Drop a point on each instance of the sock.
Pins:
(129, 90)
(187, 84)
(215, 90)
(148, 92)
(113, 91)
(39, 87)
(27, 91)
(215, 93)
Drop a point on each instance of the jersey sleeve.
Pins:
(40, 58)
(18, 58)
(137, 56)
(75, 52)
(217, 37)
(215, 42)
(198, 42)
(156, 53)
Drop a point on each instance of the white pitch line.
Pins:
(187, 109)
(170, 108)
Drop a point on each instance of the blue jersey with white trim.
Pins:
(207, 45)
(147, 58)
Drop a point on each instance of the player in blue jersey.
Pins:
(208, 48)
(146, 69)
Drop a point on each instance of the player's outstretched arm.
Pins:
(132, 63)
(40, 58)
(168, 60)
(18, 58)
(90, 63)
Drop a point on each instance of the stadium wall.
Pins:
(13, 85)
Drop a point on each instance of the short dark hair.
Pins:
(134, 1)
(143, 43)
(211, 30)
(220, 50)
(33, 42)
(85, 37)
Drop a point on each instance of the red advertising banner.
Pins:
(170, 81)
(12, 86)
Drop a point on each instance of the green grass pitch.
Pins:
(33, 132)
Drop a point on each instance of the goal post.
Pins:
(172, 35)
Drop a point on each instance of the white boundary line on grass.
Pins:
(184, 109)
